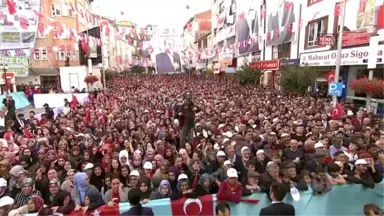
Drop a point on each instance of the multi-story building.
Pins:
(51, 51)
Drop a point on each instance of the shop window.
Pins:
(314, 30)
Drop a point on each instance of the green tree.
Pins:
(248, 75)
(297, 79)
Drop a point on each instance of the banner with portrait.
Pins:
(18, 30)
(280, 16)
(226, 19)
(248, 26)
(167, 51)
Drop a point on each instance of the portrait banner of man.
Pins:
(168, 59)
(280, 20)
(247, 25)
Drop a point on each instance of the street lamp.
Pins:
(4, 68)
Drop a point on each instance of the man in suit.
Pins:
(19, 123)
(247, 27)
(168, 61)
(134, 197)
(285, 16)
(222, 209)
(277, 194)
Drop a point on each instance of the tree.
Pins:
(248, 75)
(138, 70)
(297, 79)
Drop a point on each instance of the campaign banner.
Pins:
(18, 28)
(17, 61)
(226, 19)
(248, 25)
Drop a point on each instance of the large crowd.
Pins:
(132, 135)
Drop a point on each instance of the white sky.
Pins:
(165, 13)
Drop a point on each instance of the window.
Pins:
(312, 2)
(56, 10)
(40, 34)
(68, 54)
(44, 54)
(315, 29)
(37, 54)
(62, 54)
(281, 51)
(74, 55)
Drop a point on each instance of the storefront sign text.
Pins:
(265, 65)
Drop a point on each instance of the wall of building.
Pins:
(34, 80)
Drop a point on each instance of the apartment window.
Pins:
(314, 30)
(74, 55)
(44, 54)
(62, 54)
(281, 51)
(55, 10)
(312, 2)
(40, 34)
(69, 54)
(37, 54)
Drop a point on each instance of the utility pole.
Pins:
(339, 45)
(374, 34)
(102, 46)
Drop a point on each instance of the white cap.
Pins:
(226, 140)
(350, 113)
(88, 166)
(228, 134)
(361, 162)
(227, 162)
(284, 134)
(220, 154)
(339, 163)
(80, 135)
(220, 126)
(5, 201)
(3, 182)
(134, 173)
(272, 133)
(260, 151)
(176, 121)
(146, 111)
(232, 173)
(319, 145)
(182, 176)
(244, 148)
(147, 165)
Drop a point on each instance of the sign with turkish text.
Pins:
(289, 62)
(265, 65)
(355, 38)
(325, 40)
(16, 64)
(350, 56)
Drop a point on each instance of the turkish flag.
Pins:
(337, 112)
(337, 9)
(193, 207)
(11, 7)
(380, 20)
(330, 76)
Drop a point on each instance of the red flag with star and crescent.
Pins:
(337, 112)
(193, 207)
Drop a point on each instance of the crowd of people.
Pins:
(127, 140)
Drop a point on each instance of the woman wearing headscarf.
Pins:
(5, 168)
(27, 191)
(81, 189)
(68, 183)
(33, 205)
(164, 190)
(13, 182)
(97, 177)
(183, 188)
(204, 185)
(27, 163)
(123, 157)
(173, 174)
(145, 189)
(62, 203)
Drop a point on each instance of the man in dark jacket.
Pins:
(136, 209)
(278, 207)
(49, 112)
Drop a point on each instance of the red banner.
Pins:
(265, 65)
(355, 38)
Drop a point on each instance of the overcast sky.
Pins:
(167, 13)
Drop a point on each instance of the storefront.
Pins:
(353, 62)
(270, 71)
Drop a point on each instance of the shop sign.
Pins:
(355, 38)
(265, 65)
(19, 65)
(326, 40)
(289, 62)
(351, 56)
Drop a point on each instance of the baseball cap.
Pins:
(260, 151)
(88, 166)
(361, 162)
(319, 145)
(227, 162)
(182, 176)
(5, 201)
(3, 182)
(134, 173)
(220, 154)
(147, 165)
(232, 173)
(244, 148)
